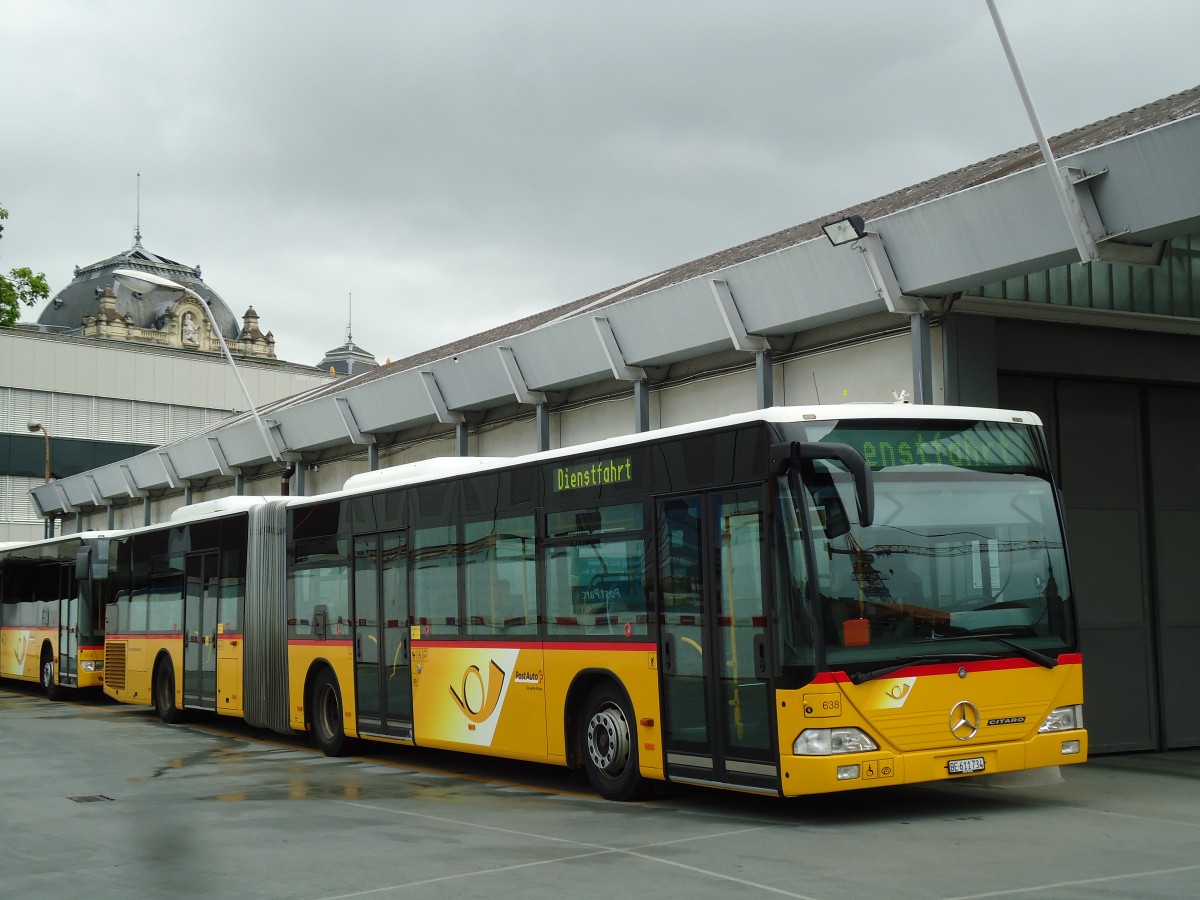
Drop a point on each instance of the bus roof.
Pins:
(220, 506)
(443, 467)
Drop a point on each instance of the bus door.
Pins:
(379, 610)
(68, 626)
(200, 630)
(718, 724)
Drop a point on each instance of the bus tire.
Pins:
(608, 745)
(164, 693)
(49, 685)
(326, 715)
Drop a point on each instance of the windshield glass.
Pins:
(965, 547)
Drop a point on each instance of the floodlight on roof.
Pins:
(845, 230)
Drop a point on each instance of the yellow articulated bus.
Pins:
(791, 601)
(51, 612)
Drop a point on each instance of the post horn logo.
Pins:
(964, 720)
(898, 691)
(487, 692)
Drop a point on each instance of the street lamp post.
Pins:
(35, 427)
(144, 282)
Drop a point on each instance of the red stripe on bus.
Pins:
(536, 645)
(313, 642)
(988, 665)
(157, 636)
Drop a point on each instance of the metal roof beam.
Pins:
(742, 340)
(516, 380)
(357, 436)
(612, 352)
(169, 469)
(218, 454)
(131, 485)
(94, 489)
(64, 502)
(883, 276)
(434, 393)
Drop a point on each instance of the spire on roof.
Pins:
(137, 228)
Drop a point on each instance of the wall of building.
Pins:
(1122, 416)
(96, 398)
(865, 372)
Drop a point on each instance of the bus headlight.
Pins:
(828, 741)
(1065, 718)
(92, 665)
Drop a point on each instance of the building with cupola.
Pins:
(108, 371)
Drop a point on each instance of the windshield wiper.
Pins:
(872, 674)
(1029, 653)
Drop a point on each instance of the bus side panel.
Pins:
(480, 698)
(230, 648)
(133, 682)
(512, 701)
(303, 655)
(21, 656)
(635, 667)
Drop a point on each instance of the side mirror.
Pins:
(785, 456)
(83, 563)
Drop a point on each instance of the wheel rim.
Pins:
(608, 740)
(48, 673)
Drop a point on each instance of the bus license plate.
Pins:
(967, 766)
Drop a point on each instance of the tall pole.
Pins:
(35, 427)
(46, 436)
(1085, 244)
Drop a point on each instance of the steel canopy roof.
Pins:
(980, 224)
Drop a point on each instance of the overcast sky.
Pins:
(459, 164)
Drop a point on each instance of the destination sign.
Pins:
(593, 474)
(1000, 446)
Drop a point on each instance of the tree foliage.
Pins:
(20, 287)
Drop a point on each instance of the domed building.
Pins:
(95, 305)
(348, 359)
(133, 369)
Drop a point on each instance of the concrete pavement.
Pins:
(100, 800)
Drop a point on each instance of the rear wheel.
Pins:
(164, 693)
(609, 745)
(49, 685)
(326, 715)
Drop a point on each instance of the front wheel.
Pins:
(164, 693)
(609, 745)
(326, 715)
(49, 685)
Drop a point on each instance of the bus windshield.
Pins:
(964, 560)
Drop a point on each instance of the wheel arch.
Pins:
(577, 694)
(164, 653)
(48, 655)
(315, 668)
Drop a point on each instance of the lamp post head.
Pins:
(36, 427)
(845, 230)
(145, 282)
